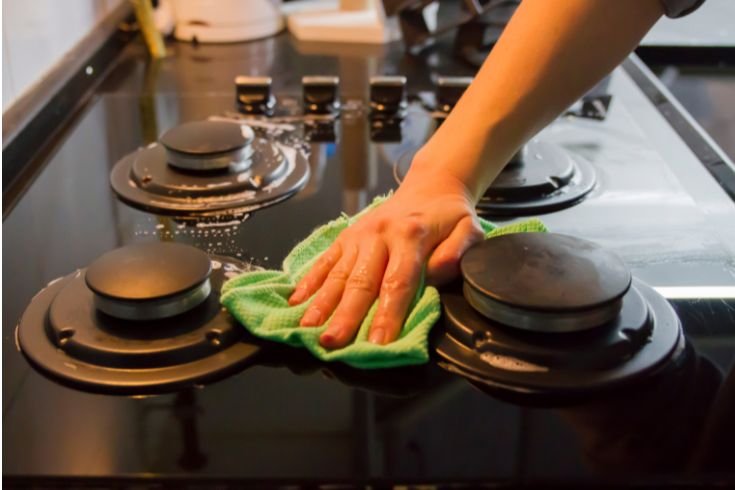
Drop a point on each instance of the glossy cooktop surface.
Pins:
(288, 418)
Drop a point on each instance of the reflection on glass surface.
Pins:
(291, 418)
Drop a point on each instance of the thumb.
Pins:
(443, 265)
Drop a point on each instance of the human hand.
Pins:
(431, 216)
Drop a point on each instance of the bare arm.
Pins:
(551, 52)
(549, 55)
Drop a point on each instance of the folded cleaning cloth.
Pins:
(259, 300)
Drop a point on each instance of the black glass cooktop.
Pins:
(286, 418)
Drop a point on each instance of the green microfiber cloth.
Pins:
(259, 300)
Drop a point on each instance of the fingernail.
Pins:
(297, 297)
(311, 318)
(377, 336)
(327, 340)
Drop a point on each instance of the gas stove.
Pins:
(626, 173)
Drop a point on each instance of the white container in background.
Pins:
(226, 21)
(342, 21)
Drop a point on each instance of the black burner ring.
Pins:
(149, 281)
(66, 338)
(569, 180)
(531, 364)
(545, 282)
(537, 170)
(154, 309)
(146, 180)
(537, 320)
(209, 145)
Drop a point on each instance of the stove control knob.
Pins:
(449, 90)
(254, 95)
(388, 96)
(321, 94)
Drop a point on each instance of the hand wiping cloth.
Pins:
(259, 300)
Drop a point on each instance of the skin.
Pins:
(549, 55)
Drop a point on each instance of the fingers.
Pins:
(383, 258)
(313, 280)
(360, 292)
(396, 293)
(330, 292)
(443, 265)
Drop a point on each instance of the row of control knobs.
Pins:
(388, 96)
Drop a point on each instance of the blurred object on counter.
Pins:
(478, 23)
(343, 21)
(163, 16)
(153, 38)
(226, 21)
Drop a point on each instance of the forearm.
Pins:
(549, 55)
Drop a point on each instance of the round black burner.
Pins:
(560, 276)
(544, 282)
(574, 363)
(537, 170)
(541, 178)
(67, 335)
(209, 145)
(149, 280)
(208, 167)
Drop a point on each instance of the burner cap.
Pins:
(208, 145)
(544, 281)
(532, 175)
(209, 167)
(67, 336)
(550, 368)
(543, 177)
(149, 280)
(207, 137)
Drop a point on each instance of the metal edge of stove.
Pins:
(709, 310)
(720, 167)
(47, 109)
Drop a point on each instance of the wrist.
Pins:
(472, 154)
(427, 176)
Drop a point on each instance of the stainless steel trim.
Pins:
(541, 321)
(154, 309)
(247, 80)
(319, 80)
(395, 80)
(462, 82)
